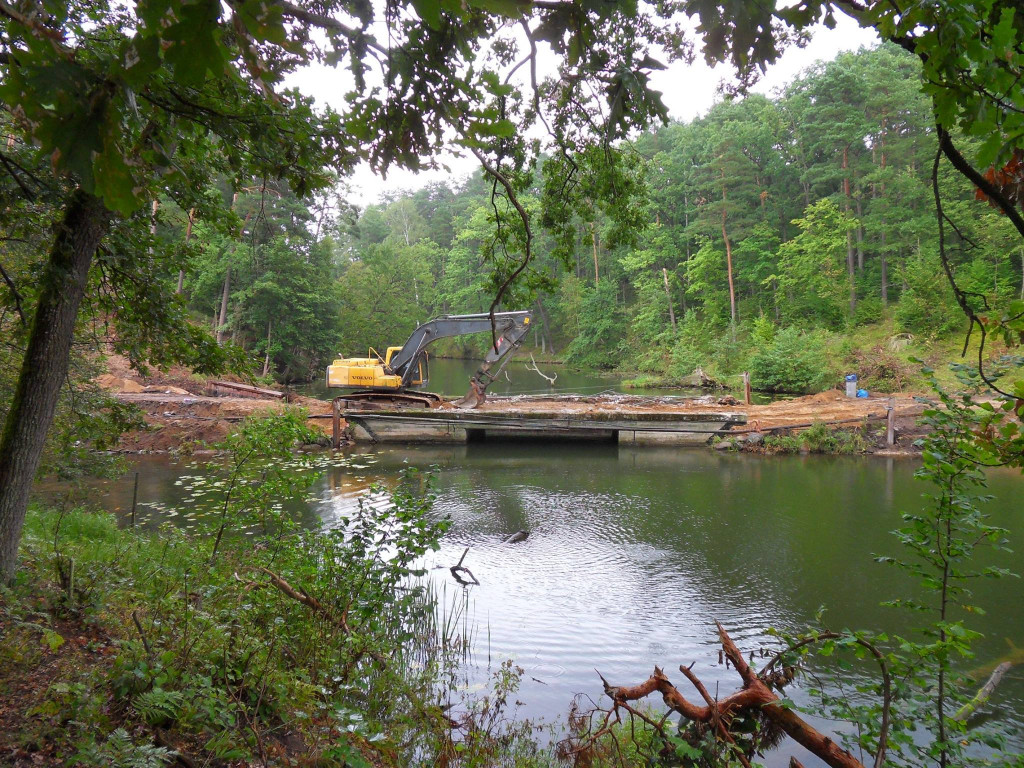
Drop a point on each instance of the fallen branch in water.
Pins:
(459, 568)
(755, 699)
(984, 693)
(535, 369)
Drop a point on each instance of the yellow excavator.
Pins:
(386, 379)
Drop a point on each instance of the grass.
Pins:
(883, 358)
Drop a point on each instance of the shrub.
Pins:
(729, 355)
(821, 438)
(926, 313)
(762, 331)
(869, 310)
(685, 358)
(793, 362)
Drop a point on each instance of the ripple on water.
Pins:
(633, 555)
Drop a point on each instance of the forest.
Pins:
(794, 228)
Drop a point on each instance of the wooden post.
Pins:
(890, 431)
(135, 497)
(336, 410)
(746, 387)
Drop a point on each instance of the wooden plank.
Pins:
(336, 424)
(247, 389)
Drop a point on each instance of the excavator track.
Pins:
(376, 401)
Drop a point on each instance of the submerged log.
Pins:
(984, 693)
(517, 537)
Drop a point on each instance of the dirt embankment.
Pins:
(180, 412)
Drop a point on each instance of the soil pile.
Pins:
(180, 415)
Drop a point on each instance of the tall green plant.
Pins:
(914, 714)
(939, 549)
(259, 473)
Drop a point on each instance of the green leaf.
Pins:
(501, 129)
(114, 182)
(429, 11)
(510, 9)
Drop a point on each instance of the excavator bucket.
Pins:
(474, 398)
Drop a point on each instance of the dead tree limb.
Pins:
(984, 693)
(756, 696)
(533, 367)
(459, 569)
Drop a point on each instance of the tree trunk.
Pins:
(188, 236)
(547, 326)
(223, 317)
(849, 235)
(686, 222)
(45, 364)
(266, 357)
(668, 295)
(885, 264)
(728, 261)
(593, 239)
(152, 223)
(885, 272)
(860, 236)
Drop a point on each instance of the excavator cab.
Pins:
(421, 375)
(374, 371)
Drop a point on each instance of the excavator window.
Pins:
(421, 371)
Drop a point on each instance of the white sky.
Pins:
(689, 91)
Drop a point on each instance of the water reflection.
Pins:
(633, 553)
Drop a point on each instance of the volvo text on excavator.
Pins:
(405, 367)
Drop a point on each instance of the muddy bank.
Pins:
(175, 421)
(181, 413)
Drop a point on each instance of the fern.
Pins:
(119, 751)
(158, 707)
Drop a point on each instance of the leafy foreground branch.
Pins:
(917, 711)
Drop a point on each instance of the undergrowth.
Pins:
(222, 647)
(820, 438)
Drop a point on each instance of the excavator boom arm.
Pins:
(510, 328)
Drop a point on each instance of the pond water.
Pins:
(634, 553)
